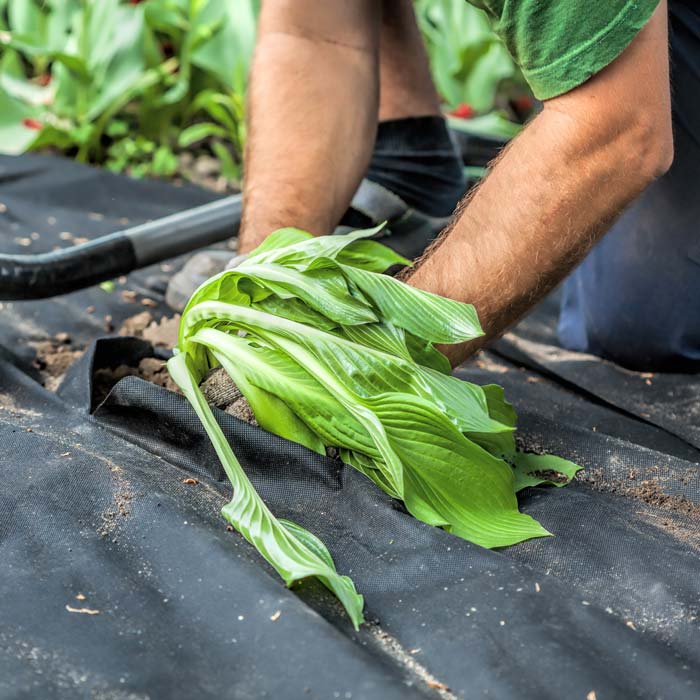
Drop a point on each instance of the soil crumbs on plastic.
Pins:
(55, 355)
(406, 660)
(152, 369)
(54, 358)
(683, 514)
(120, 503)
(162, 333)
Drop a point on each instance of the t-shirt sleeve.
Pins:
(559, 44)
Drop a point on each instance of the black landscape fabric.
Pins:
(120, 580)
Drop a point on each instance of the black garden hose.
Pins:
(62, 271)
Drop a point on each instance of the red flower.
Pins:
(44, 79)
(463, 111)
(524, 103)
(32, 124)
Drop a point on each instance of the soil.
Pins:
(218, 388)
(551, 475)
(683, 514)
(53, 359)
(136, 325)
(56, 355)
(205, 171)
(647, 491)
(151, 369)
(408, 661)
(119, 508)
(220, 391)
(162, 333)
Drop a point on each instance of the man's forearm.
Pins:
(551, 195)
(314, 86)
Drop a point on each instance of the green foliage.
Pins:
(469, 62)
(331, 353)
(173, 74)
(125, 84)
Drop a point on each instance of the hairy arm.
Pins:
(556, 189)
(313, 105)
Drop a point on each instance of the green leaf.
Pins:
(491, 124)
(278, 543)
(164, 161)
(15, 136)
(533, 470)
(469, 61)
(371, 256)
(270, 411)
(314, 249)
(197, 132)
(25, 91)
(499, 409)
(286, 283)
(227, 55)
(426, 354)
(428, 316)
(282, 238)
(449, 480)
(230, 169)
(281, 376)
(309, 540)
(334, 354)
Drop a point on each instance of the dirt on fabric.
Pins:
(162, 333)
(56, 355)
(54, 358)
(408, 661)
(682, 513)
(152, 369)
(647, 491)
(119, 508)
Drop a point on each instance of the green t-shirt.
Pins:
(559, 44)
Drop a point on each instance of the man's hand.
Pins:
(557, 188)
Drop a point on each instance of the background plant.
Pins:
(125, 84)
(470, 64)
(132, 84)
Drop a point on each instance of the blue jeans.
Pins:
(636, 298)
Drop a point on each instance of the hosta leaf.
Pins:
(428, 316)
(281, 545)
(309, 540)
(287, 283)
(303, 253)
(426, 354)
(379, 336)
(330, 353)
(282, 238)
(370, 255)
(533, 470)
(362, 371)
(269, 410)
(295, 310)
(283, 377)
(470, 491)
(499, 409)
(372, 468)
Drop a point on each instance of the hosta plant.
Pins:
(329, 352)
